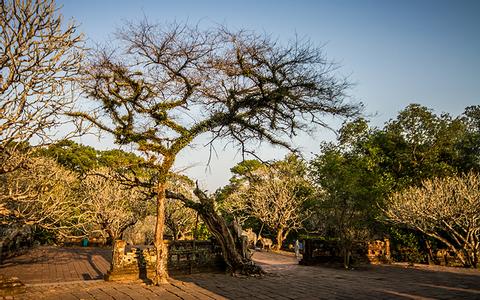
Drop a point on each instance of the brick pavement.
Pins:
(285, 280)
(53, 264)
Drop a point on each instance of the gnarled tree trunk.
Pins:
(236, 263)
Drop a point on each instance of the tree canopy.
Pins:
(164, 85)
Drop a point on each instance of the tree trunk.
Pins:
(280, 238)
(160, 247)
(458, 252)
(216, 224)
(432, 259)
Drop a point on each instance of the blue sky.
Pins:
(396, 52)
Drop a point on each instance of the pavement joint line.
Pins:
(64, 282)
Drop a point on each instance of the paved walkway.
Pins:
(53, 264)
(73, 273)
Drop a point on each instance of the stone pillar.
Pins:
(118, 254)
(387, 249)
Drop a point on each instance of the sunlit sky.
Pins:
(396, 53)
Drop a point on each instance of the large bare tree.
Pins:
(447, 209)
(39, 58)
(164, 86)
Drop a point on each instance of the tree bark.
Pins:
(216, 224)
(278, 246)
(160, 247)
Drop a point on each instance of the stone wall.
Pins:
(320, 251)
(184, 257)
(14, 239)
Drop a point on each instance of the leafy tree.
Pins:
(447, 209)
(76, 157)
(419, 144)
(166, 85)
(39, 59)
(467, 150)
(83, 159)
(357, 173)
(349, 185)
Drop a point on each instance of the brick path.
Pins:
(285, 280)
(53, 264)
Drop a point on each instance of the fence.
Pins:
(184, 257)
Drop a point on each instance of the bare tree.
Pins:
(179, 219)
(166, 85)
(111, 205)
(38, 61)
(447, 209)
(275, 195)
(43, 194)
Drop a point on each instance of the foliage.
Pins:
(355, 175)
(406, 245)
(420, 145)
(349, 185)
(83, 159)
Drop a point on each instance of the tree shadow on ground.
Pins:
(86, 263)
(378, 281)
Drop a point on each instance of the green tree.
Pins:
(367, 164)
(76, 157)
(350, 186)
(419, 144)
(82, 159)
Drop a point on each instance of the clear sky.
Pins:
(397, 52)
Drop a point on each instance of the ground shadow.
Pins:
(318, 282)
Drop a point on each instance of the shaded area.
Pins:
(53, 264)
(288, 279)
(285, 280)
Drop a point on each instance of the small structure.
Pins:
(10, 286)
(378, 251)
(184, 257)
(320, 251)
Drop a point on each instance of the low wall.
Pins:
(184, 257)
(14, 239)
(320, 251)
